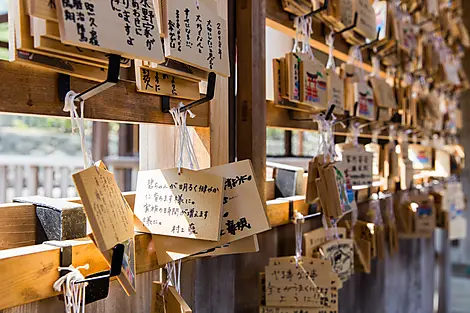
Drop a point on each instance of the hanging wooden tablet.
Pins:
(364, 99)
(335, 87)
(311, 195)
(425, 218)
(21, 39)
(366, 231)
(366, 24)
(123, 28)
(340, 253)
(381, 21)
(110, 217)
(317, 237)
(45, 9)
(197, 35)
(238, 220)
(184, 204)
(277, 87)
(362, 256)
(293, 76)
(167, 301)
(344, 185)
(161, 83)
(358, 164)
(421, 156)
(346, 9)
(432, 7)
(330, 200)
(313, 87)
(383, 93)
(282, 276)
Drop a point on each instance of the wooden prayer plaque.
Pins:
(293, 76)
(238, 221)
(364, 99)
(197, 35)
(127, 28)
(335, 87)
(366, 25)
(383, 93)
(160, 83)
(421, 156)
(110, 218)
(282, 274)
(341, 255)
(358, 164)
(45, 9)
(186, 204)
(317, 237)
(167, 301)
(313, 84)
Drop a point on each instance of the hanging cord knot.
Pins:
(298, 221)
(74, 293)
(78, 122)
(183, 140)
(330, 41)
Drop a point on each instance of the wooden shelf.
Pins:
(278, 117)
(33, 91)
(279, 20)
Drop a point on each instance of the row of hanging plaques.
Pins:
(174, 43)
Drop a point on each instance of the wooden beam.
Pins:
(35, 92)
(100, 140)
(29, 272)
(279, 20)
(251, 96)
(292, 120)
(17, 225)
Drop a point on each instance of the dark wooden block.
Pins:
(57, 219)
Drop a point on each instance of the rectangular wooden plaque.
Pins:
(128, 28)
(186, 204)
(197, 35)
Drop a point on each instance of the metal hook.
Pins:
(354, 24)
(211, 80)
(315, 12)
(366, 45)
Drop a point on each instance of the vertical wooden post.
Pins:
(251, 90)
(251, 136)
(465, 140)
(99, 140)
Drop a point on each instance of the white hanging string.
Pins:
(330, 41)
(74, 293)
(355, 58)
(298, 33)
(375, 135)
(298, 221)
(183, 140)
(375, 67)
(355, 131)
(307, 31)
(77, 121)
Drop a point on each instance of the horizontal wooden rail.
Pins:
(34, 91)
(28, 272)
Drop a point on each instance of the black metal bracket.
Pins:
(98, 283)
(320, 9)
(112, 79)
(354, 24)
(211, 80)
(367, 45)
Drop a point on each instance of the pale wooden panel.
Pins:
(3, 183)
(119, 103)
(32, 180)
(48, 181)
(19, 177)
(17, 225)
(116, 302)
